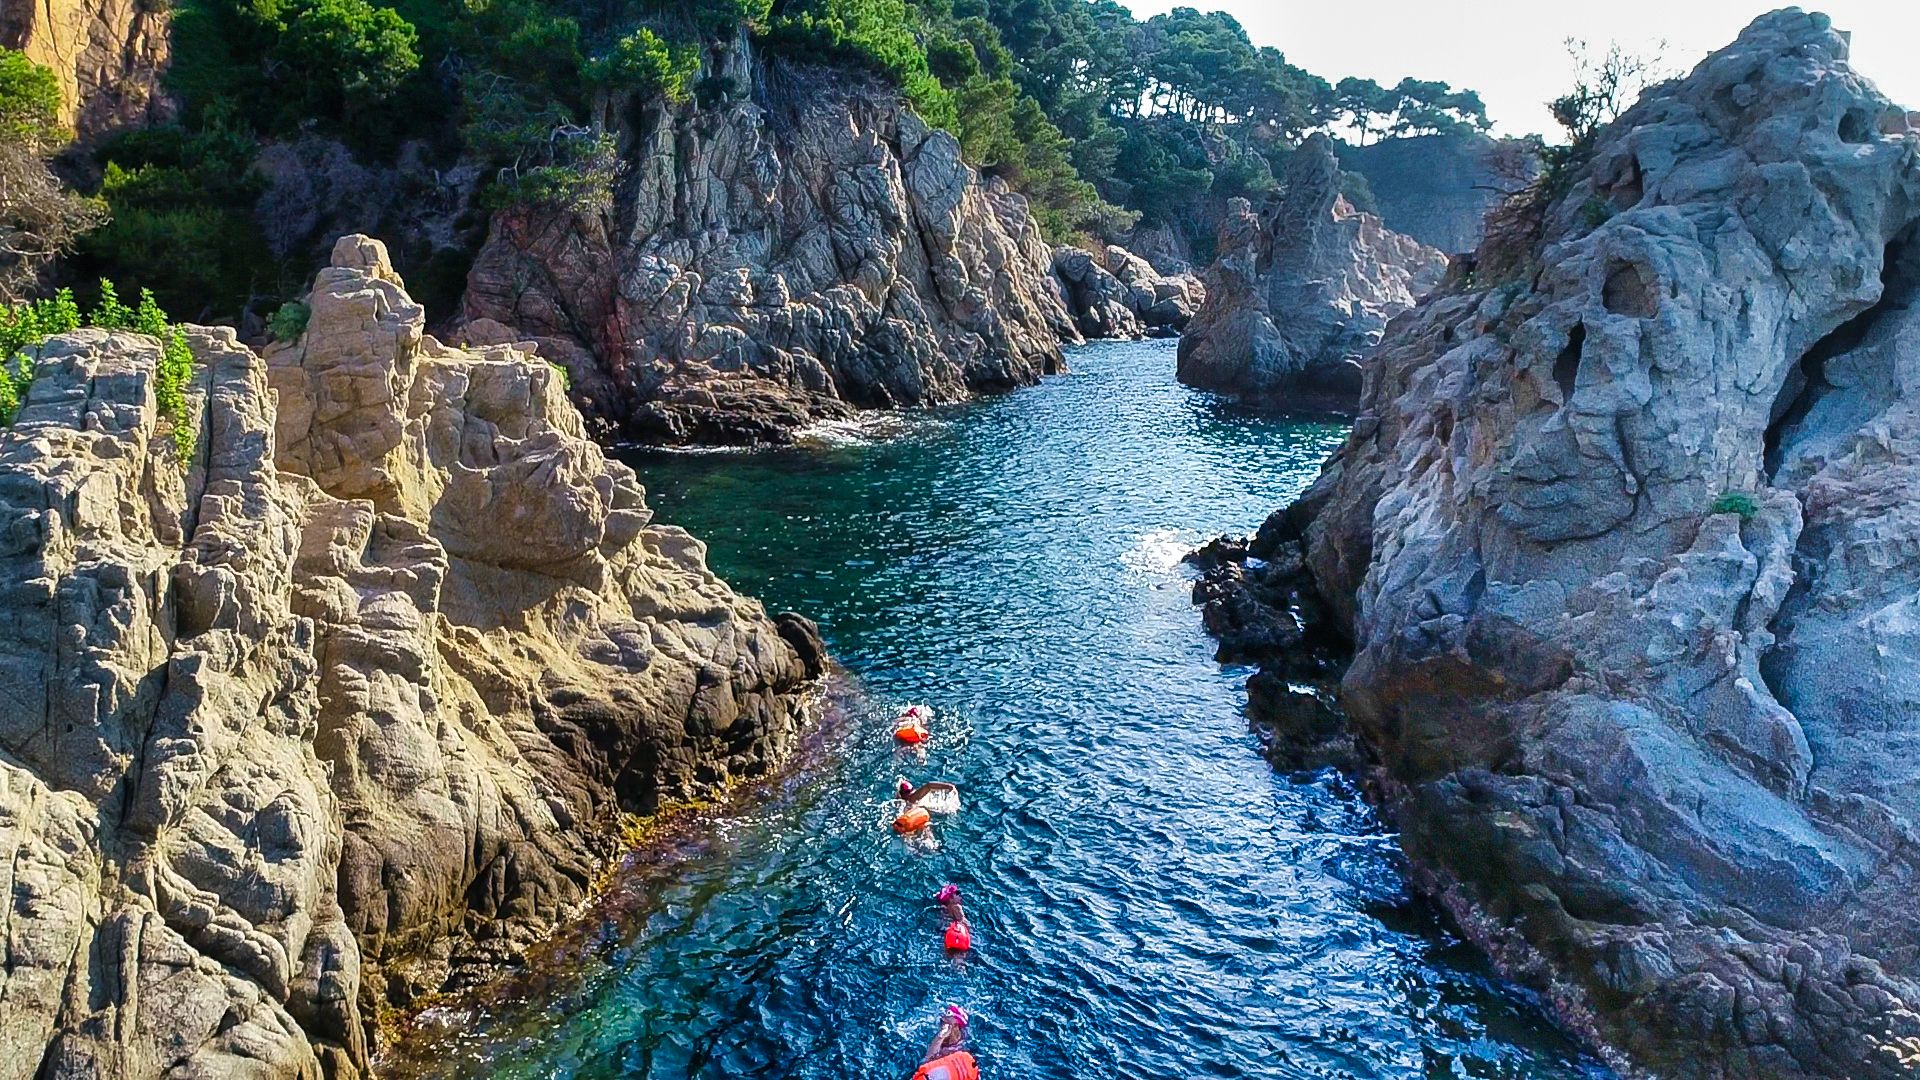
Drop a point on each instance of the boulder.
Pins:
(108, 55)
(1116, 294)
(1297, 295)
(1627, 548)
(345, 709)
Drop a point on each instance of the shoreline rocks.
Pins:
(347, 709)
(1623, 546)
(1117, 294)
(1299, 293)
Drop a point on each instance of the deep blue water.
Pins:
(1149, 899)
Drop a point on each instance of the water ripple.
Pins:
(1148, 897)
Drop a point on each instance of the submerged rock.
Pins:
(1627, 550)
(1299, 294)
(346, 709)
(801, 248)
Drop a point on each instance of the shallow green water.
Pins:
(1148, 898)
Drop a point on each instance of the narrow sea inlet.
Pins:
(1148, 897)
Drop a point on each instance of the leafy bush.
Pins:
(29, 103)
(289, 321)
(645, 63)
(23, 327)
(40, 219)
(346, 54)
(1736, 502)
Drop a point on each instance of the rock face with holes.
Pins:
(800, 248)
(1300, 293)
(349, 706)
(1628, 548)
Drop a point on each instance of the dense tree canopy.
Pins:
(1100, 118)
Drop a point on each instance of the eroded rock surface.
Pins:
(109, 56)
(347, 708)
(804, 248)
(1116, 294)
(1628, 552)
(1299, 293)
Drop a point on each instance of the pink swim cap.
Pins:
(946, 893)
(906, 789)
(958, 1015)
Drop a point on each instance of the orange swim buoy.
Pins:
(912, 819)
(910, 732)
(958, 1065)
(959, 939)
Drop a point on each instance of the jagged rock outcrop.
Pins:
(1435, 188)
(108, 55)
(1117, 294)
(1297, 295)
(350, 705)
(1628, 550)
(806, 247)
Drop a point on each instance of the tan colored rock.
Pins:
(108, 55)
(764, 269)
(348, 708)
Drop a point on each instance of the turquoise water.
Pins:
(1148, 898)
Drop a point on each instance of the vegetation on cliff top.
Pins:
(1102, 119)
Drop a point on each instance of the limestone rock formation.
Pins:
(804, 248)
(1117, 294)
(1628, 551)
(1297, 295)
(349, 705)
(108, 55)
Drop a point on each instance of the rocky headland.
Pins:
(347, 707)
(1622, 545)
(1299, 292)
(803, 248)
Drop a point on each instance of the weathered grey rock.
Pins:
(791, 253)
(349, 707)
(1117, 294)
(1628, 550)
(1297, 296)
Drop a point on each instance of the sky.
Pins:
(1513, 51)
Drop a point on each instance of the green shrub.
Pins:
(23, 327)
(346, 54)
(647, 64)
(29, 103)
(1736, 502)
(289, 321)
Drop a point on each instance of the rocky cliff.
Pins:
(1627, 552)
(803, 247)
(348, 705)
(107, 54)
(1434, 188)
(1299, 293)
(1113, 293)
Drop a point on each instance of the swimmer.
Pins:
(959, 936)
(911, 725)
(937, 793)
(945, 1060)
